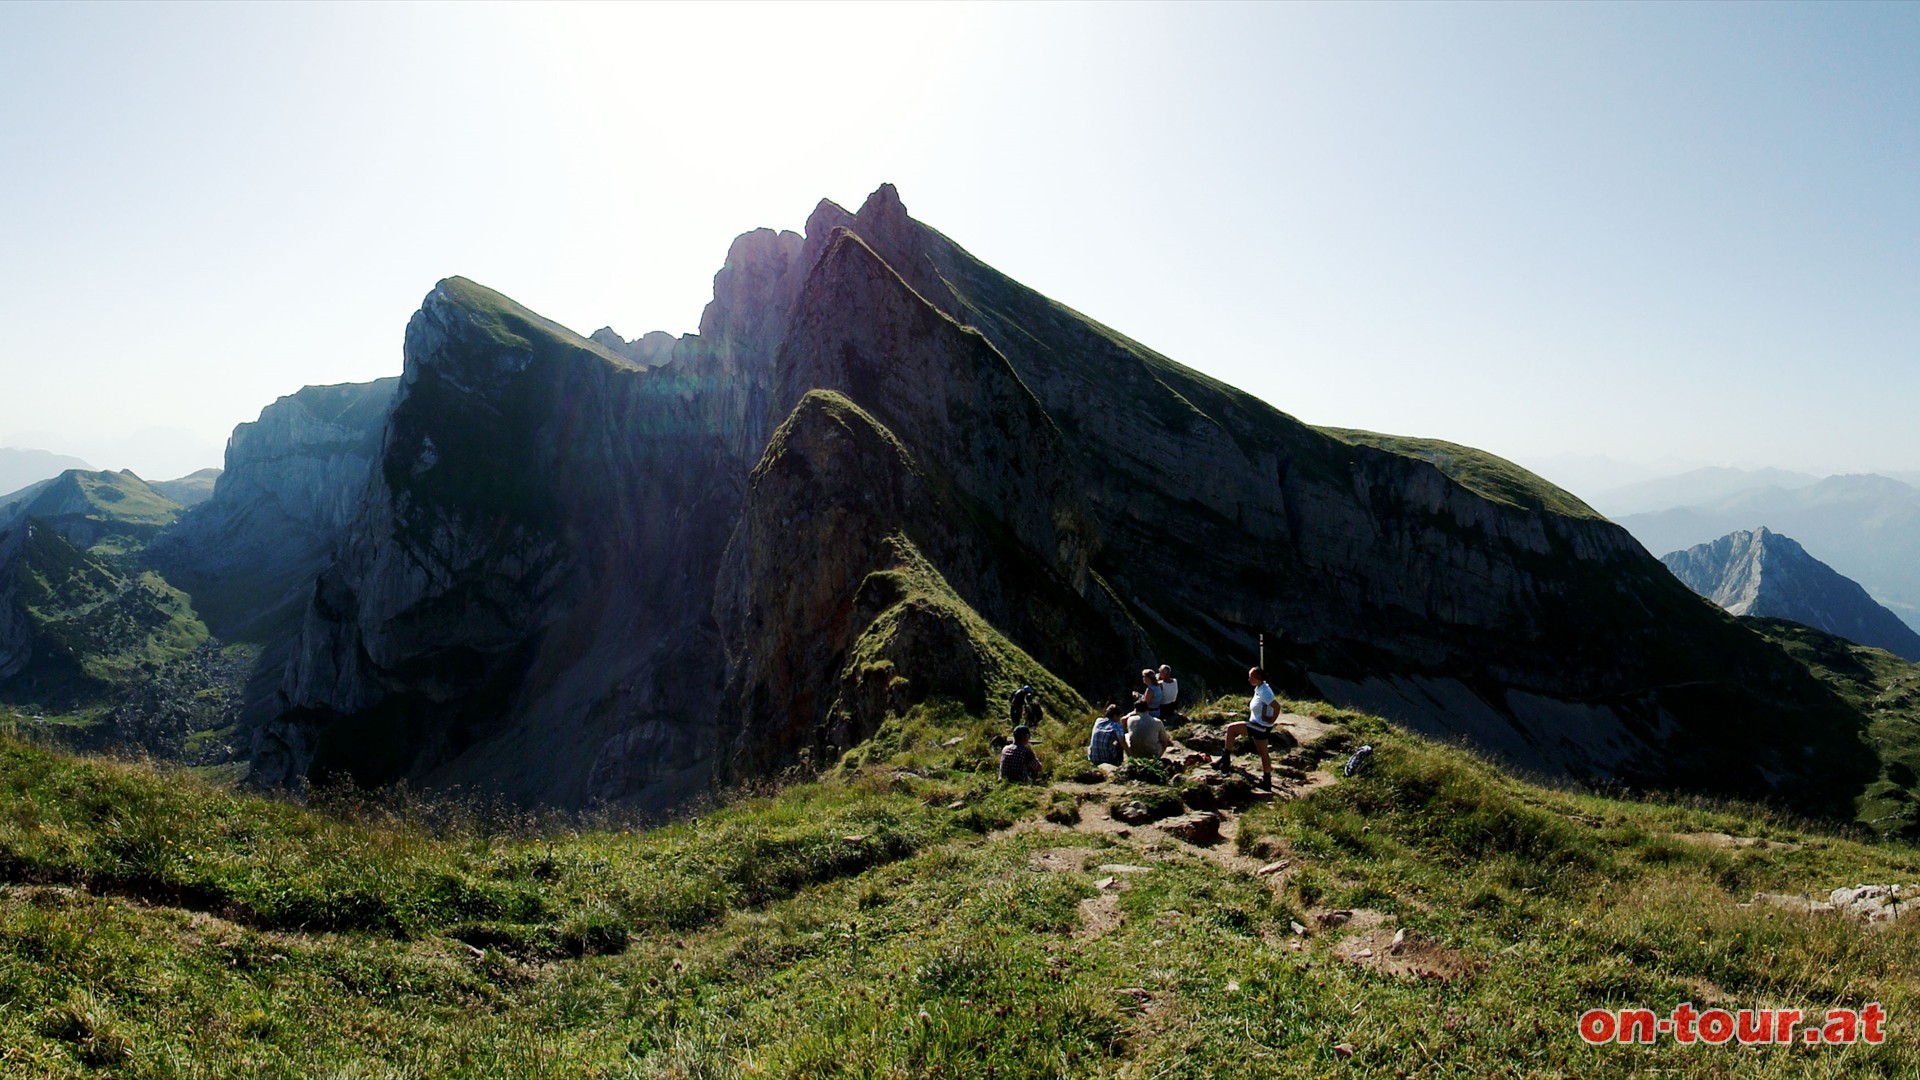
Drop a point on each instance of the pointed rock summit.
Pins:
(1762, 573)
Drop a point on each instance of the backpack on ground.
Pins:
(1360, 762)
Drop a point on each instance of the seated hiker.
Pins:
(1262, 713)
(1109, 743)
(1148, 696)
(1146, 736)
(1169, 693)
(1018, 762)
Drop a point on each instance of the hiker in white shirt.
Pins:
(1262, 713)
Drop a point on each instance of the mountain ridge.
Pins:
(882, 483)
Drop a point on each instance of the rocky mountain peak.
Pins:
(1762, 573)
(826, 217)
(752, 293)
(648, 350)
(883, 210)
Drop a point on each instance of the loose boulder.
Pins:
(1201, 827)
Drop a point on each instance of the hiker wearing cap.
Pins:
(1262, 713)
(1018, 762)
(1146, 735)
(1109, 743)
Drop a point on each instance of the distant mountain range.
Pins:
(1866, 527)
(1764, 574)
(1694, 488)
(19, 468)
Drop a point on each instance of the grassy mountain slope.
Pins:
(95, 621)
(91, 506)
(1886, 689)
(190, 490)
(913, 919)
(1482, 473)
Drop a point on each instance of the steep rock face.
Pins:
(1428, 581)
(833, 615)
(293, 480)
(966, 485)
(525, 599)
(1764, 574)
(915, 462)
(495, 604)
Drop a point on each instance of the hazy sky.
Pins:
(1683, 232)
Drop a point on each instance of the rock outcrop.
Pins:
(1762, 573)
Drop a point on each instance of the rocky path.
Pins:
(1362, 937)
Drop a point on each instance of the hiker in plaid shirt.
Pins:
(1109, 743)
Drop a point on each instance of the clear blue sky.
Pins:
(1640, 231)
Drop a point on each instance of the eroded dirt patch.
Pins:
(1729, 841)
(1062, 859)
(1391, 951)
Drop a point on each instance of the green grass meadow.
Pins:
(912, 918)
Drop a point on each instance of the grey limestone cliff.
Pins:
(1762, 573)
(294, 479)
(524, 600)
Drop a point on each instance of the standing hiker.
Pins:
(1262, 713)
(1017, 705)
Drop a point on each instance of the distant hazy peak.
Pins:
(20, 466)
(1763, 573)
(1696, 487)
(648, 350)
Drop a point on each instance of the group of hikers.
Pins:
(1142, 733)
